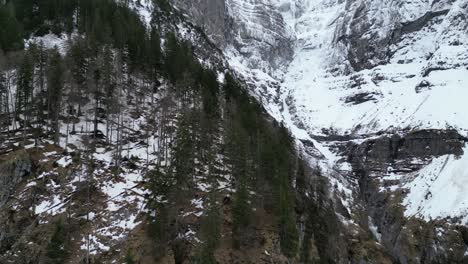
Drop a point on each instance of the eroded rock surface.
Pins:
(12, 171)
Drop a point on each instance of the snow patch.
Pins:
(439, 189)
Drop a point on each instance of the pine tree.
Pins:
(4, 103)
(55, 82)
(178, 58)
(11, 37)
(238, 155)
(25, 83)
(210, 232)
(95, 79)
(158, 230)
(155, 57)
(40, 55)
(240, 212)
(56, 250)
(109, 84)
(78, 62)
(231, 88)
(288, 233)
(301, 180)
(25, 91)
(171, 60)
(183, 154)
(160, 187)
(305, 256)
(129, 258)
(210, 90)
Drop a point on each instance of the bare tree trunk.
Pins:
(119, 141)
(107, 126)
(96, 102)
(68, 131)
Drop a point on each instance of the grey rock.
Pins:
(12, 172)
(372, 159)
(210, 15)
(255, 29)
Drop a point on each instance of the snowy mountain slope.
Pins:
(262, 35)
(424, 69)
(363, 70)
(438, 190)
(418, 80)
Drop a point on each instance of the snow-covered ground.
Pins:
(392, 104)
(144, 8)
(50, 41)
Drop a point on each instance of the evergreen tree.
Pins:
(129, 258)
(231, 88)
(155, 56)
(178, 58)
(238, 155)
(210, 90)
(301, 180)
(25, 85)
(55, 80)
(183, 154)
(159, 186)
(40, 56)
(305, 256)
(288, 233)
(11, 37)
(56, 249)
(210, 232)
(78, 62)
(108, 74)
(4, 103)
(240, 212)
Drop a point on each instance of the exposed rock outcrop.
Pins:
(408, 240)
(13, 169)
(376, 155)
(254, 30)
(210, 15)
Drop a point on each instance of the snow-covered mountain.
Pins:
(374, 91)
(366, 66)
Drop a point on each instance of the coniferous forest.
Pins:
(120, 99)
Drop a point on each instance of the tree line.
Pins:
(115, 61)
(259, 154)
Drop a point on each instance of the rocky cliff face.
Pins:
(373, 31)
(254, 31)
(210, 15)
(372, 90)
(387, 168)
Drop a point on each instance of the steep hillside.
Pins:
(374, 93)
(233, 131)
(126, 138)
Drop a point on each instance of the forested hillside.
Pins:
(122, 142)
